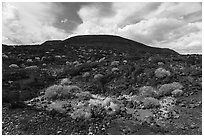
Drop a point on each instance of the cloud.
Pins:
(170, 25)
(64, 20)
(25, 23)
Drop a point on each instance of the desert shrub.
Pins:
(82, 113)
(58, 106)
(55, 71)
(52, 92)
(161, 73)
(69, 91)
(61, 92)
(167, 89)
(147, 91)
(113, 108)
(177, 92)
(167, 103)
(65, 81)
(84, 95)
(156, 58)
(150, 102)
(106, 101)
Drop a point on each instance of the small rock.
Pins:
(192, 105)
(114, 69)
(58, 132)
(31, 68)
(37, 58)
(97, 76)
(29, 60)
(192, 126)
(86, 74)
(4, 56)
(115, 63)
(13, 66)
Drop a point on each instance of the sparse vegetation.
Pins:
(83, 89)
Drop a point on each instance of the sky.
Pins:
(168, 25)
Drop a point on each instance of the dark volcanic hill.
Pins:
(110, 42)
(105, 42)
(116, 42)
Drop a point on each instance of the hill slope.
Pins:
(115, 42)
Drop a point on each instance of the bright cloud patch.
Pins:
(25, 23)
(169, 25)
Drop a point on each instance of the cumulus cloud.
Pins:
(170, 25)
(25, 23)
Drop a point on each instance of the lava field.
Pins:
(105, 85)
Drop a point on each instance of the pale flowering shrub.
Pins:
(58, 106)
(150, 102)
(69, 91)
(161, 73)
(81, 113)
(61, 92)
(65, 81)
(53, 92)
(147, 91)
(167, 89)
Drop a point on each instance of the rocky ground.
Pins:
(87, 90)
